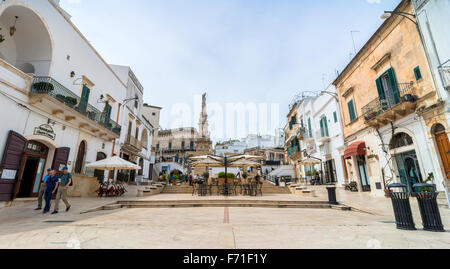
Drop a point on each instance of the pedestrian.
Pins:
(43, 188)
(52, 187)
(64, 182)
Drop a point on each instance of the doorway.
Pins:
(409, 169)
(443, 146)
(363, 173)
(33, 169)
(100, 174)
(80, 157)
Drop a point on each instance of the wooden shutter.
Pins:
(325, 122)
(84, 98)
(351, 111)
(310, 127)
(61, 159)
(380, 89)
(322, 130)
(12, 160)
(108, 114)
(394, 85)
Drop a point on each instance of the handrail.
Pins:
(54, 89)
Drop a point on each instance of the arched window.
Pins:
(401, 140)
(438, 128)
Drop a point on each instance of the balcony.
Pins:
(175, 150)
(323, 136)
(379, 113)
(444, 72)
(132, 145)
(45, 91)
(294, 152)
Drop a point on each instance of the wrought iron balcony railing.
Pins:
(377, 107)
(293, 150)
(134, 142)
(52, 88)
(444, 71)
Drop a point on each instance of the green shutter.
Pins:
(84, 98)
(325, 120)
(394, 85)
(322, 131)
(310, 127)
(108, 114)
(351, 111)
(380, 89)
(335, 117)
(417, 73)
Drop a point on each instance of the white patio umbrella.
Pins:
(246, 157)
(244, 163)
(310, 161)
(114, 163)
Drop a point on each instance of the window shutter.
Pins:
(351, 111)
(61, 159)
(325, 120)
(309, 127)
(322, 131)
(381, 94)
(12, 160)
(394, 85)
(335, 117)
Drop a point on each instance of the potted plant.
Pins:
(60, 98)
(43, 87)
(70, 101)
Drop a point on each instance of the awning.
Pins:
(355, 149)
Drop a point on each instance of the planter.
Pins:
(60, 98)
(70, 101)
(43, 87)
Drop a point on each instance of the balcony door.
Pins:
(84, 98)
(388, 91)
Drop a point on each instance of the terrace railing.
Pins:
(54, 89)
(376, 107)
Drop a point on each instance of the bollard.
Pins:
(332, 194)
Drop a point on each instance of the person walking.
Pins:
(52, 187)
(43, 189)
(64, 182)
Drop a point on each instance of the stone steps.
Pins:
(229, 203)
(188, 190)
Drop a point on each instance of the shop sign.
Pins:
(45, 130)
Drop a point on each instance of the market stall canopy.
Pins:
(244, 163)
(310, 161)
(114, 163)
(355, 149)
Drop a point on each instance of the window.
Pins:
(417, 73)
(351, 111)
(388, 90)
(136, 101)
(157, 147)
(192, 145)
(137, 133)
(324, 127)
(335, 117)
(182, 145)
(170, 145)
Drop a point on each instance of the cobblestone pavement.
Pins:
(212, 228)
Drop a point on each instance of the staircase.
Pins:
(268, 188)
(224, 203)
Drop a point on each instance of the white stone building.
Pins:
(434, 24)
(321, 135)
(59, 99)
(137, 132)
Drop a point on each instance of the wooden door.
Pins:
(80, 157)
(444, 150)
(61, 159)
(10, 165)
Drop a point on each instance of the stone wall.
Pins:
(84, 186)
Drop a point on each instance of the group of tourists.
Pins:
(52, 184)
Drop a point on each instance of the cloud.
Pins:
(374, 1)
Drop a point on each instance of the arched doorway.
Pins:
(407, 162)
(443, 145)
(30, 48)
(100, 174)
(35, 159)
(80, 157)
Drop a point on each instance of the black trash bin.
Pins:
(331, 188)
(429, 209)
(402, 207)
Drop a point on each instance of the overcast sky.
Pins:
(260, 51)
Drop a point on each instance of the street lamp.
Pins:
(387, 14)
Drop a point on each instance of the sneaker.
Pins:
(67, 210)
(39, 208)
(44, 212)
(54, 212)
